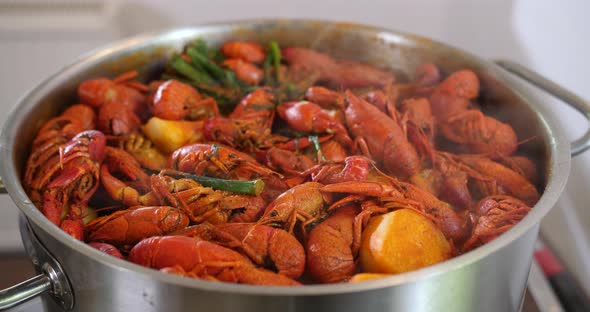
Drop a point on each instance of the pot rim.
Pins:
(558, 165)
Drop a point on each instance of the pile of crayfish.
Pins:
(266, 165)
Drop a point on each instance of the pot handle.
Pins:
(52, 278)
(578, 146)
(24, 291)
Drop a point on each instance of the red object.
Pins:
(547, 260)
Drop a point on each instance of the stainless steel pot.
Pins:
(74, 276)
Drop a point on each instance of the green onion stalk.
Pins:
(315, 142)
(253, 187)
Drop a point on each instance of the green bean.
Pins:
(189, 71)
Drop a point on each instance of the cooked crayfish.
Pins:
(194, 257)
(124, 228)
(304, 203)
(523, 165)
(120, 162)
(345, 74)
(245, 50)
(308, 117)
(506, 181)
(246, 72)
(204, 203)
(216, 160)
(333, 151)
(120, 102)
(353, 168)
(108, 249)
(385, 140)
(420, 122)
(123, 90)
(452, 96)
(269, 247)
(493, 216)
(477, 133)
(330, 258)
(248, 127)
(45, 152)
(175, 100)
(324, 97)
(287, 161)
(76, 179)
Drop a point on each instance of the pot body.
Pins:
(490, 278)
(495, 283)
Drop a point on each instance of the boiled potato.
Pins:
(360, 277)
(401, 241)
(169, 135)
